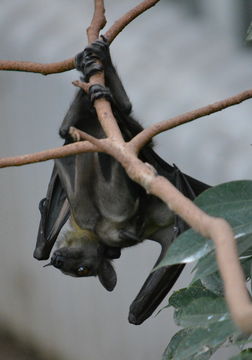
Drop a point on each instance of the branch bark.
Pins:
(56, 153)
(98, 22)
(39, 68)
(121, 23)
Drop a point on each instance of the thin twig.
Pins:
(147, 134)
(56, 153)
(98, 22)
(39, 68)
(121, 23)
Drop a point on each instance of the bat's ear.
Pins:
(107, 275)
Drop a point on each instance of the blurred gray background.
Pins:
(177, 56)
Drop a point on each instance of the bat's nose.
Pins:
(57, 261)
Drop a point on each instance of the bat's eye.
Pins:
(83, 271)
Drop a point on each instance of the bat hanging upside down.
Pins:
(108, 211)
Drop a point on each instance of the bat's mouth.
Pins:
(49, 264)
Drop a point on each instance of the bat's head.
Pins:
(82, 255)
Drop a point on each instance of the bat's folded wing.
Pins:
(55, 211)
(159, 282)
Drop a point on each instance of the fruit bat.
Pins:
(107, 210)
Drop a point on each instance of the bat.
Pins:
(107, 210)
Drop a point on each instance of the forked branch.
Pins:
(98, 22)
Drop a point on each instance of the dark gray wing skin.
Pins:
(55, 211)
(189, 186)
(159, 283)
(76, 175)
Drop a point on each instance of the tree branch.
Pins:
(56, 153)
(147, 134)
(44, 69)
(98, 22)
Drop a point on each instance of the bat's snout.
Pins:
(57, 261)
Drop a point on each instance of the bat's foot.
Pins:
(100, 48)
(86, 61)
(98, 91)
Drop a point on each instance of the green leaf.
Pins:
(205, 272)
(241, 340)
(202, 312)
(187, 248)
(249, 33)
(232, 191)
(174, 343)
(183, 297)
(246, 265)
(214, 283)
(197, 306)
(200, 341)
(232, 201)
(244, 355)
(207, 265)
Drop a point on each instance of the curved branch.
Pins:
(220, 232)
(147, 134)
